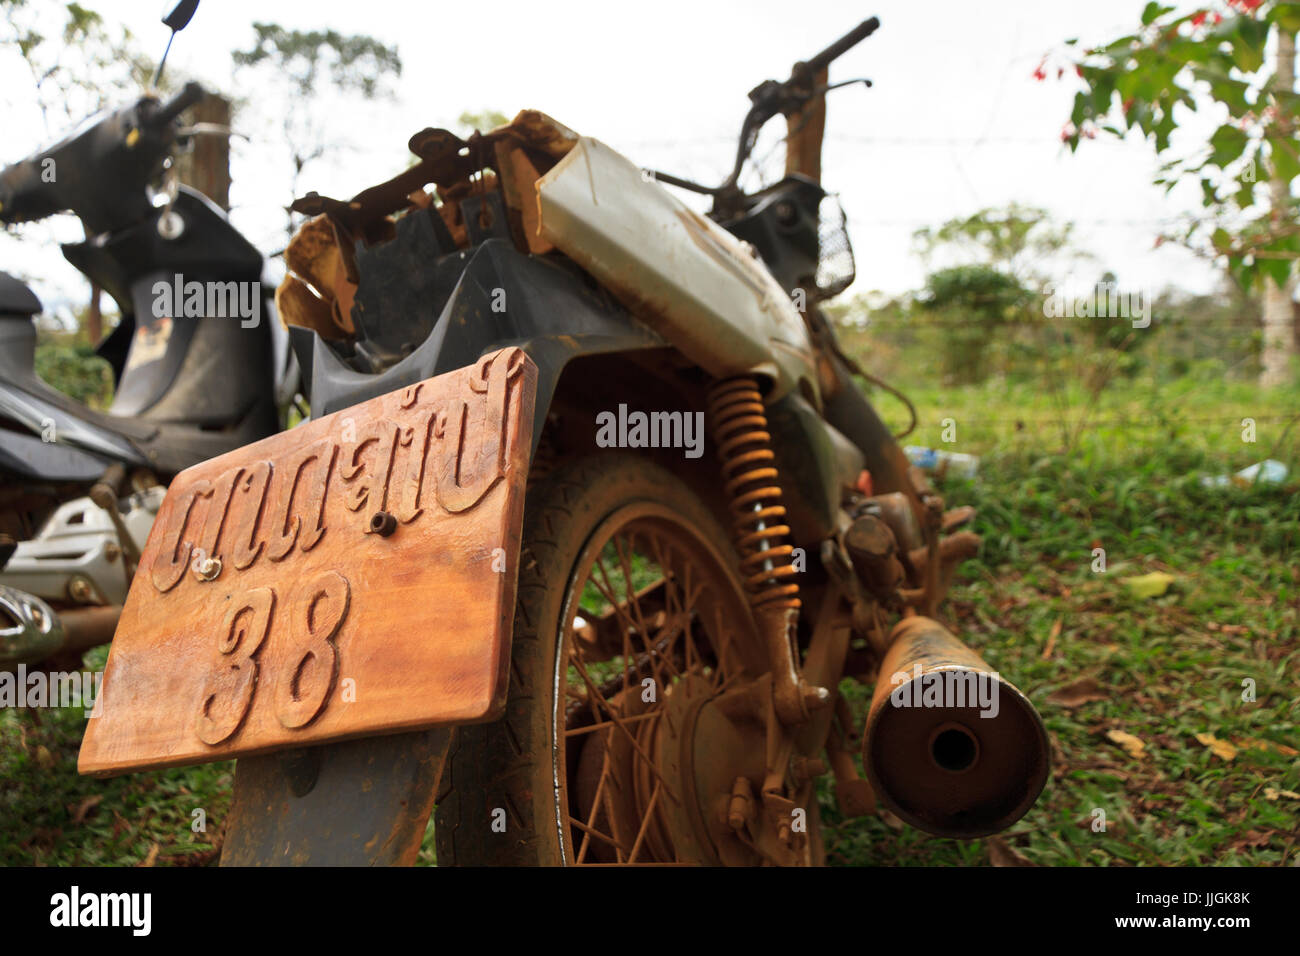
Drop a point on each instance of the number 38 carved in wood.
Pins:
(302, 687)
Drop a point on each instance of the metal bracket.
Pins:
(485, 217)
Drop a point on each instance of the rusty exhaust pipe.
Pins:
(950, 747)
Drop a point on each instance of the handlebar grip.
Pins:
(843, 44)
(191, 94)
(20, 193)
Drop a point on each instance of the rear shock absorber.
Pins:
(752, 483)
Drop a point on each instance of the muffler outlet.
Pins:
(951, 747)
(29, 629)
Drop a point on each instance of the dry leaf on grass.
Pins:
(890, 819)
(1252, 839)
(1087, 823)
(1134, 746)
(1250, 743)
(1051, 639)
(84, 807)
(1220, 748)
(1271, 794)
(151, 857)
(1002, 854)
(1149, 585)
(1082, 691)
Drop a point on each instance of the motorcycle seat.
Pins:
(166, 447)
(16, 299)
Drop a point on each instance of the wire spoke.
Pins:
(672, 628)
(618, 723)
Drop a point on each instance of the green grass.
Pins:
(49, 815)
(1169, 668)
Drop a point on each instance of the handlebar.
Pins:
(843, 45)
(178, 104)
(99, 172)
(772, 97)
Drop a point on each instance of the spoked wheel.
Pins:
(633, 711)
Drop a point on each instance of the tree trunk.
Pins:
(95, 315)
(1279, 333)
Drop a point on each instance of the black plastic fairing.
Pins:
(501, 298)
(16, 300)
(782, 225)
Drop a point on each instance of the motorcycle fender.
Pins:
(549, 313)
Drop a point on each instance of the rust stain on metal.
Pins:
(317, 293)
(950, 746)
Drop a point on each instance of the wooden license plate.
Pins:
(350, 577)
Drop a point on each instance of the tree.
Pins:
(308, 65)
(1213, 60)
(1015, 240)
(108, 69)
(972, 303)
(988, 280)
(482, 120)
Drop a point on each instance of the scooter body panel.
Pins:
(693, 282)
(190, 386)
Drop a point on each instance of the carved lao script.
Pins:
(449, 452)
(273, 500)
(467, 469)
(350, 577)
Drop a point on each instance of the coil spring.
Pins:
(752, 484)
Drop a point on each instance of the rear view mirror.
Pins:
(176, 18)
(180, 15)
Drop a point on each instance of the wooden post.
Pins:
(207, 167)
(804, 129)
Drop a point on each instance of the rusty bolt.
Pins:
(806, 768)
(112, 552)
(382, 523)
(740, 808)
(79, 590)
(208, 569)
(785, 834)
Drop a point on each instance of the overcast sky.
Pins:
(955, 121)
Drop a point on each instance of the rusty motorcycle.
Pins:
(443, 595)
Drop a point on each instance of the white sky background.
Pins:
(955, 121)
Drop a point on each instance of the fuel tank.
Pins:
(695, 284)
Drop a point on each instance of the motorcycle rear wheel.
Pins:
(630, 621)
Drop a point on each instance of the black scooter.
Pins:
(200, 362)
